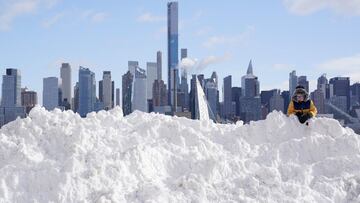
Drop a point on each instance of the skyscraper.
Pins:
(159, 93)
(250, 102)
(249, 83)
(323, 85)
(173, 60)
(184, 86)
(127, 88)
(212, 98)
(132, 65)
(192, 96)
(101, 91)
(11, 107)
(341, 88)
(76, 98)
(286, 96)
(183, 55)
(87, 91)
(302, 80)
(28, 99)
(265, 96)
(322, 80)
(117, 96)
(65, 75)
(250, 109)
(293, 82)
(227, 97)
(151, 76)
(319, 100)
(214, 77)
(139, 101)
(236, 95)
(276, 102)
(50, 93)
(355, 94)
(11, 88)
(159, 65)
(112, 94)
(107, 90)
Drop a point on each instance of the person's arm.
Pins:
(291, 109)
(313, 110)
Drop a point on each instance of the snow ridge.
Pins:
(61, 157)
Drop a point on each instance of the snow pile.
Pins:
(60, 157)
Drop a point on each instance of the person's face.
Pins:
(300, 97)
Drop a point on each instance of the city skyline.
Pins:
(217, 47)
(180, 101)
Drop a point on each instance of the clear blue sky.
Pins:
(313, 37)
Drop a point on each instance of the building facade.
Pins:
(276, 102)
(227, 97)
(302, 80)
(293, 82)
(87, 91)
(341, 88)
(151, 76)
(28, 99)
(172, 48)
(250, 102)
(159, 65)
(51, 93)
(107, 90)
(65, 75)
(318, 98)
(117, 96)
(127, 89)
(11, 108)
(159, 93)
(139, 101)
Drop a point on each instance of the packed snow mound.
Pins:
(60, 157)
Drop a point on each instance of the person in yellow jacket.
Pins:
(301, 105)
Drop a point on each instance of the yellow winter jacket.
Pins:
(303, 107)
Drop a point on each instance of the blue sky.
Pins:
(312, 37)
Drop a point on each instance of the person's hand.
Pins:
(306, 116)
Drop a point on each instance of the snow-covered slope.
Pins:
(60, 157)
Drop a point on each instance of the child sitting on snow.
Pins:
(301, 105)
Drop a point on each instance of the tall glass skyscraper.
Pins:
(65, 75)
(28, 99)
(159, 65)
(302, 80)
(87, 91)
(139, 101)
(11, 88)
(151, 76)
(250, 102)
(227, 101)
(106, 90)
(184, 86)
(127, 88)
(173, 60)
(293, 82)
(11, 107)
(132, 65)
(249, 83)
(50, 93)
(341, 88)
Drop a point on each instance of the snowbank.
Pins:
(60, 157)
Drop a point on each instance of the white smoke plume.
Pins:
(193, 65)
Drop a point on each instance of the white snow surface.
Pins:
(59, 157)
